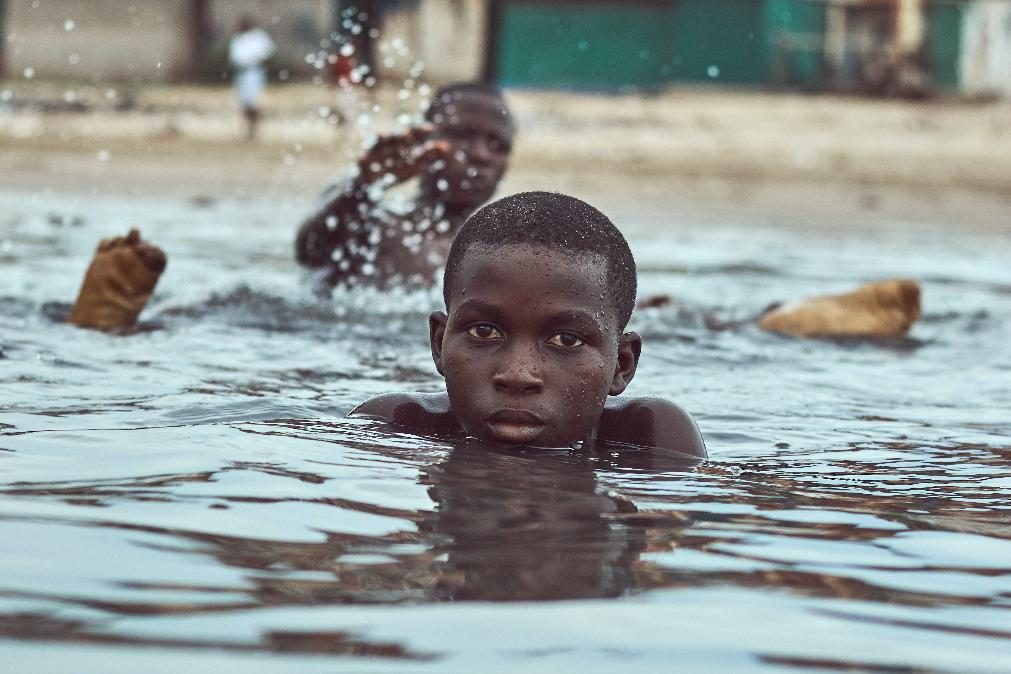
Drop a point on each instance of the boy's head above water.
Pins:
(473, 120)
(539, 288)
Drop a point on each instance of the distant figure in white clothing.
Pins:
(248, 50)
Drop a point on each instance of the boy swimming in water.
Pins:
(539, 288)
(459, 155)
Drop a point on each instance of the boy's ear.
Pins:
(629, 348)
(436, 331)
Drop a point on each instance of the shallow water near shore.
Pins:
(191, 496)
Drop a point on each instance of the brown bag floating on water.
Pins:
(118, 283)
(881, 309)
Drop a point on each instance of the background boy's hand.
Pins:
(402, 156)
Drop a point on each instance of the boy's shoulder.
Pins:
(651, 422)
(417, 411)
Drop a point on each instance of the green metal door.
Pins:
(718, 41)
(944, 42)
(794, 42)
(602, 44)
(583, 45)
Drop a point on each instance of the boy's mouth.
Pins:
(514, 426)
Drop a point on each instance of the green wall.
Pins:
(717, 41)
(611, 44)
(3, 36)
(584, 45)
(944, 42)
(804, 68)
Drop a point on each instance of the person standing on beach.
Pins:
(248, 51)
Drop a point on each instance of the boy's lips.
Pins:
(514, 426)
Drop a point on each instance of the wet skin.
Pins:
(531, 350)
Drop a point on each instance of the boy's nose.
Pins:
(480, 151)
(518, 377)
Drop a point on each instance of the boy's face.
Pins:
(480, 138)
(531, 347)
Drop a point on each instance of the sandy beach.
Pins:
(810, 161)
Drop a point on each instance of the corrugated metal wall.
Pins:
(944, 42)
(584, 45)
(608, 44)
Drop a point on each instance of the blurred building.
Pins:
(904, 47)
(888, 46)
(150, 40)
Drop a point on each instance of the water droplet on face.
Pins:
(442, 184)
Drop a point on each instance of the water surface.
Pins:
(192, 497)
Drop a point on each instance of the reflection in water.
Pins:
(511, 526)
(520, 526)
(506, 525)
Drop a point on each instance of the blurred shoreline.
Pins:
(703, 153)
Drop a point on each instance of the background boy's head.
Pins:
(474, 119)
(538, 289)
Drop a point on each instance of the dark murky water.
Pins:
(190, 497)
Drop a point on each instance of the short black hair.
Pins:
(550, 220)
(447, 94)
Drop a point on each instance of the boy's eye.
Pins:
(568, 340)
(484, 331)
